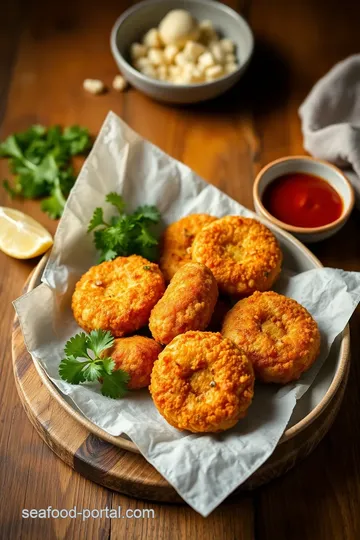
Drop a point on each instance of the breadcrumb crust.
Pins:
(279, 336)
(118, 295)
(242, 253)
(202, 382)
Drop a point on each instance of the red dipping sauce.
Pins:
(302, 200)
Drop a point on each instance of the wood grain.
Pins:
(47, 49)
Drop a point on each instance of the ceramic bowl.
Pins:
(135, 22)
(304, 164)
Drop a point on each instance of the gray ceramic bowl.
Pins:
(135, 22)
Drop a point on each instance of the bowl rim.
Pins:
(293, 228)
(169, 85)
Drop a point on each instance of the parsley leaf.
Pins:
(40, 159)
(84, 362)
(126, 234)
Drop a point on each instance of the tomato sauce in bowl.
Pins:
(303, 200)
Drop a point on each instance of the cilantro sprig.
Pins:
(84, 362)
(40, 159)
(125, 234)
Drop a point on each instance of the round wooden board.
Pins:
(128, 472)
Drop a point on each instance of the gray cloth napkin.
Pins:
(330, 117)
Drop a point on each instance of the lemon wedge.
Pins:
(21, 236)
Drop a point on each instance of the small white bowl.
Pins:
(308, 165)
(137, 20)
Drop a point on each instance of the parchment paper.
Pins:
(204, 469)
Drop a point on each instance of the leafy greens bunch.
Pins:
(84, 362)
(125, 234)
(40, 159)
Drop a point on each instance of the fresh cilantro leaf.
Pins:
(148, 213)
(97, 219)
(108, 365)
(108, 255)
(10, 148)
(47, 170)
(74, 132)
(145, 237)
(21, 167)
(53, 136)
(78, 139)
(94, 367)
(114, 220)
(115, 385)
(36, 151)
(71, 370)
(92, 371)
(53, 206)
(126, 234)
(39, 158)
(100, 340)
(99, 240)
(77, 346)
(67, 180)
(116, 200)
(30, 187)
(118, 237)
(33, 133)
(114, 237)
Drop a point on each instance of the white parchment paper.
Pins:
(204, 469)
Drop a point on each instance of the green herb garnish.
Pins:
(126, 234)
(93, 366)
(40, 159)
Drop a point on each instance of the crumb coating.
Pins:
(177, 240)
(278, 335)
(118, 295)
(202, 382)
(242, 253)
(135, 355)
(188, 303)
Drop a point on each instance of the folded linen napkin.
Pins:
(330, 117)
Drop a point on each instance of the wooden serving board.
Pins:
(125, 471)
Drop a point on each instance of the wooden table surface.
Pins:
(46, 50)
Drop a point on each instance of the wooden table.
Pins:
(46, 50)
